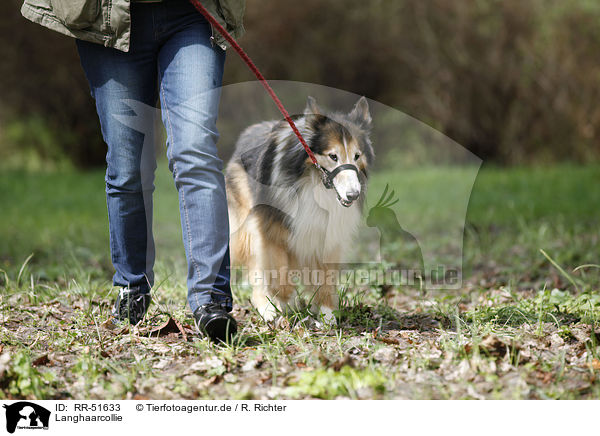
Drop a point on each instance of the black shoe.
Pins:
(214, 321)
(131, 304)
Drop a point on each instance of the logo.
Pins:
(26, 415)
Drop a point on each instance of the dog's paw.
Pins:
(326, 318)
(268, 313)
(281, 323)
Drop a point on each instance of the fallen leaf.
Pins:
(495, 346)
(109, 324)
(264, 378)
(291, 349)
(168, 327)
(253, 364)
(544, 377)
(386, 355)
(344, 361)
(211, 363)
(189, 329)
(172, 337)
(123, 330)
(161, 364)
(389, 341)
(406, 335)
(214, 380)
(41, 361)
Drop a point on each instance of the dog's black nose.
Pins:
(352, 195)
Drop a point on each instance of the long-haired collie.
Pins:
(290, 222)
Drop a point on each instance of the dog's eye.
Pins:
(333, 157)
(356, 156)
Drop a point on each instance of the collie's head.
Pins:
(341, 144)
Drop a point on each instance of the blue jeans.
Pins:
(171, 58)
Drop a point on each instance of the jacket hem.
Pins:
(48, 21)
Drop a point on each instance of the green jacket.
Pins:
(108, 22)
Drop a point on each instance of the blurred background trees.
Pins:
(46, 112)
(513, 81)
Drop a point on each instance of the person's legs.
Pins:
(190, 74)
(124, 86)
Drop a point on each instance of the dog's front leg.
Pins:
(326, 300)
(272, 292)
(324, 304)
(263, 299)
(267, 307)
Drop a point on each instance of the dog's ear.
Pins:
(360, 113)
(311, 107)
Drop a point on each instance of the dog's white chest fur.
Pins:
(322, 228)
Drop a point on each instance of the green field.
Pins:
(524, 323)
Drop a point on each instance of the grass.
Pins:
(524, 323)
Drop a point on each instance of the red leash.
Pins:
(258, 75)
